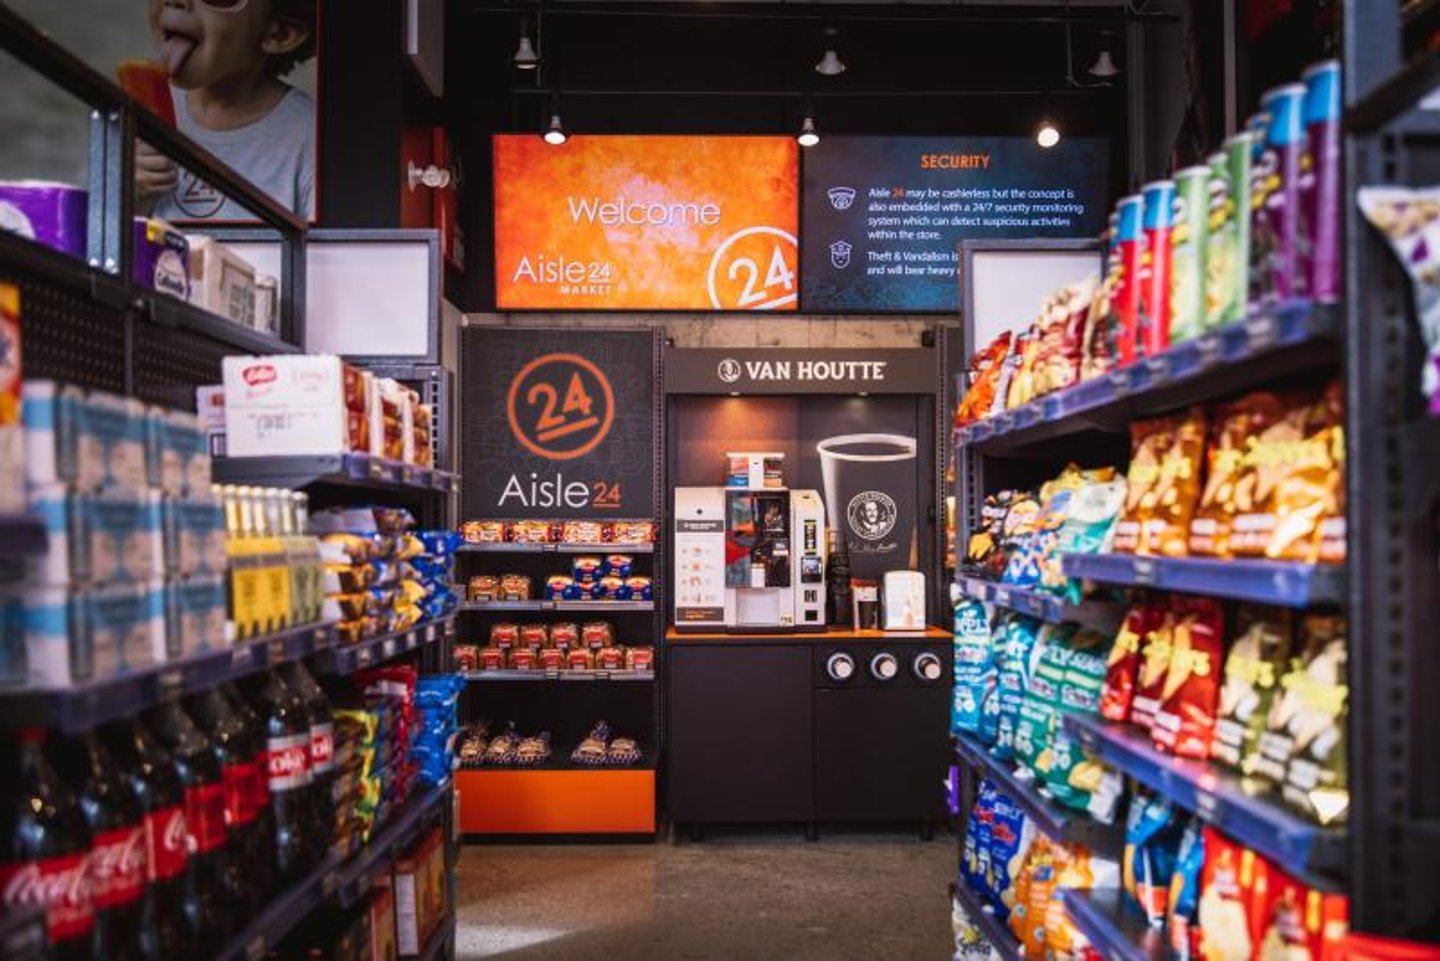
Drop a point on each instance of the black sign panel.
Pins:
(558, 423)
(768, 370)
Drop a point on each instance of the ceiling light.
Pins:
(1104, 66)
(1048, 135)
(555, 134)
(808, 136)
(525, 56)
(830, 65)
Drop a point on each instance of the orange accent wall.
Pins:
(509, 801)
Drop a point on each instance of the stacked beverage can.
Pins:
(1129, 243)
(1187, 252)
(1320, 184)
(1154, 329)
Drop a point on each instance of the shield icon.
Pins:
(840, 254)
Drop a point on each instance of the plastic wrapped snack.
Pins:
(520, 659)
(515, 587)
(1088, 528)
(484, 587)
(1021, 389)
(504, 635)
(610, 589)
(984, 371)
(640, 588)
(1011, 836)
(346, 549)
(580, 659)
(557, 585)
(1149, 441)
(1181, 925)
(1409, 219)
(974, 668)
(1229, 486)
(1233, 883)
(533, 636)
(1185, 720)
(1153, 832)
(587, 570)
(465, 657)
(1071, 777)
(640, 658)
(550, 659)
(1177, 488)
(393, 520)
(483, 532)
(347, 578)
(610, 659)
(1018, 653)
(564, 635)
(492, 658)
(1040, 702)
(1304, 743)
(632, 532)
(1155, 648)
(1123, 667)
(582, 532)
(532, 532)
(619, 565)
(1253, 668)
(597, 634)
(1062, 337)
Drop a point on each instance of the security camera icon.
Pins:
(840, 254)
(841, 197)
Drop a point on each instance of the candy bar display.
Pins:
(558, 532)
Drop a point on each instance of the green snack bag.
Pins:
(1313, 708)
(1014, 665)
(1040, 706)
(1253, 668)
(1071, 777)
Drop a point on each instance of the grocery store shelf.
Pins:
(349, 658)
(1397, 97)
(560, 761)
(1218, 797)
(22, 535)
(1117, 929)
(85, 706)
(984, 918)
(345, 882)
(1059, 823)
(479, 677)
(337, 470)
(1282, 583)
(510, 548)
(1243, 354)
(591, 607)
(435, 947)
(167, 311)
(1101, 616)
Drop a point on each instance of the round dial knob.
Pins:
(928, 667)
(840, 667)
(884, 666)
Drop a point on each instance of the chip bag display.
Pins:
(974, 667)
(1233, 884)
(985, 370)
(1255, 663)
(1229, 487)
(1185, 720)
(1123, 665)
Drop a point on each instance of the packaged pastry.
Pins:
(587, 570)
(515, 587)
(504, 635)
(1254, 665)
(582, 532)
(597, 634)
(550, 659)
(640, 588)
(632, 532)
(532, 532)
(392, 520)
(1229, 486)
(640, 658)
(484, 587)
(984, 378)
(610, 589)
(618, 565)
(465, 657)
(346, 548)
(492, 658)
(520, 659)
(533, 636)
(580, 659)
(564, 635)
(483, 532)
(558, 587)
(1185, 720)
(610, 659)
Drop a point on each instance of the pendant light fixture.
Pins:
(525, 56)
(808, 136)
(830, 64)
(555, 134)
(1104, 67)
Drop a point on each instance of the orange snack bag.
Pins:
(985, 369)
(1149, 440)
(1222, 496)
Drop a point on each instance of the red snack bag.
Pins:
(466, 657)
(492, 659)
(985, 370)
(1190, 698)
(1155, 647)
(521, 659)
(550, 659)
(610, 659)
(580, 659)
(533, 636)
(1124, 664)
(1233, 897)
(1299, 923)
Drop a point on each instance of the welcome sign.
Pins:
(655, 223)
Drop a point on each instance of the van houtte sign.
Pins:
(708, 370)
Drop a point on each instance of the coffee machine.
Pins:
(749, 560)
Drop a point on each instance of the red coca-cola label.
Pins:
(322, 748)
(117, 867)
(205, 816)
(61, 886)
(288, 762)
(240, 793)
(167, 843)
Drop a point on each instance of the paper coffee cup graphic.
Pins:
(870, 495)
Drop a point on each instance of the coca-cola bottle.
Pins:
(259, 785)
(117, 855)
(322, 752)
(287, 761)
(204, 814)
(230, 742)
(172, 916)
(45, 850)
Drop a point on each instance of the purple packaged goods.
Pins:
(1274, 236)
(1155, 270)
(1320, 183)
(48, 213)
(162, 258)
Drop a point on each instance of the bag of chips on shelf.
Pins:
(1180, 921)
(1178, 488)
(1409, 218)
(977, 836)
(1301, 923)
(985, 370)
(1035, 720)
(983, 549)
(1233, 885)
(970, 941)
(1155, 648)
(1021, 389)
(1071, 777)
(1017, 652)
(1153, 832)
(1017, 530)
(1062, 337)
(1229, 485)
(1149, 442)
(1088, 528)
(1308, 719)
(1123, 664)
(1185, 720)
(974, 667)
(1011, 835)
(1030, 546)
(1257, 659)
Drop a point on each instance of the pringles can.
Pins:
(1129, 249)
(1319, 232)
(1276, 217)
(1187, 252)
(1154, 328)
(1227, 249)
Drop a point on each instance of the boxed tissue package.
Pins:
(47, 213)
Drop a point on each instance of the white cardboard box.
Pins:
(222, 281)
(286, 404)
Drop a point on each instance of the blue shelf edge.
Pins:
(984, 918)
(1117, 931)
(1313, 853)
(1282, 583)
(1102, 616)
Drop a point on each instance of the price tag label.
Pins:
(408, 474)
(1208, 349)
(1207, 805)
(430, 634)
(1120, 380)
(412, 640)
(321, 639)
(387, 649)
(275, 652)
(602, 675)
(1143, 570)
(552, 675)
(1260, 331)
(242, 657)
(364, 656)
(1002, 597)
(377, 470)
(171, 683)
(1158, 366)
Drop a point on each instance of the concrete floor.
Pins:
(737, 896)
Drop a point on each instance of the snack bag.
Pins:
(1027, 561)
(1185, 720)
(1331, 548)
(983, 548)
(1062, 337)
(1152, 840)
(978, 836)
(1044, 881)
(1298, 463)
(970, 941)
(1070, 776)
(1299, 923)
(1257, 659)
(1035, 724)
(1229, 486)
(1177, 489)
(1022, 380)
(1311, 712)
(1410, 220)
(1149, 442)
(1017, 537)
(990, 704)
(1019, 920)
(1155, 649)
(1011, 835)
(1018, 654)
(974, 668)
(1180, 921)
(1123, 663)
(1088, 528)
(1233, 885)
(985, 370)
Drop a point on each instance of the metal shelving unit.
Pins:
(349, 658)
(1281, 583)
(993, 928)
(1117, 930)
(1104, 617)
(566, 676)
(340, 470)
(576, 607)
(512, 548)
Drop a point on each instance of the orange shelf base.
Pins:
(556, 802)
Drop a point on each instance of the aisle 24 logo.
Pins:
(560, 407)
(754, 269)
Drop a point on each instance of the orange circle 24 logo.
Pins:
(560, 406)
(754, 269)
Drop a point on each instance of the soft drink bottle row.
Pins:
(155, 839)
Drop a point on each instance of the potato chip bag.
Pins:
(1152, 840)
(974, 667)
(1016, 655)
(1312, 707)
(1149, 442)
(1071, 777)
(1019, 919)
(977, 836)
(1022, 378)
(1155, 649)
(985, 369)
(1177, 489)
(1257, 659)
(1089, 528)
(1044, 878)
(1222, 496)
(1016, 532)
(1185, 720)
(1035, 718)
(1284, 935)
(1409, 218)
(1180, 921)
(983, 548)
(1331, 548)
(1062, 337)
(1011, 835)
(1233, 885)
(1123, 664)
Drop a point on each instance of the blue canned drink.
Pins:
(1159, 222)
(1319, 231)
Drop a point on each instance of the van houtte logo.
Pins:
(729, 370)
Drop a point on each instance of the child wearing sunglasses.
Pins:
(226, 59)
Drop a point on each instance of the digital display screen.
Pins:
(883, 216)
(640, 222)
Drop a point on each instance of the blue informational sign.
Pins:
(883, 216)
